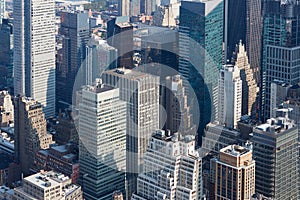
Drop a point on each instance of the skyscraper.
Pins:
(250, 87)
(234, 25)
(100, 56)
(281, 47)
(6, 109)
(6, 55)
(102, 148)
(235, 173)
(30, 131)
(75, 32)
(254, 35)
(141, 92)
(34, 52)
(177, 109)
(230, 96)
(200, 52)
(172, 169)
(275, 150)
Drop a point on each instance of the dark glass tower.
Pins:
(75, 32)
(234, 25)
(200, 53)
(281, 47)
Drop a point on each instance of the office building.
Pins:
(275, 150)
(123, 7)
(250, 86)
(34, 52)
(102, 145)
(230, 96)
(216, 137)
(254, 35)
(100, 56)
(30, 131)
(6, 109)
(141, 92)
(48, 185)
(158, 45)
(281, 47)
(200, 53)
(234, 25)
(235, 173)
(172, 169)
(62, 159)
(75, 31)
(178, 112)
(120, 36)
(6, 55)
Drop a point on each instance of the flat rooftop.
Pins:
(128, 73)
(235, 150)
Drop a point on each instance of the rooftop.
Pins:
(235, 150)
(276, 125)
(128, 73)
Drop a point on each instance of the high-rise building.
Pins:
(250, 86)
(100, 56)
(141, 92)
(123, 7)
(34, 52)
(172, 169)
(230, 96)
(30, 131)
(254, 35)
(120, 36)
(6, 55)
(75, 31)
(281, 47)
(48, 185)
(275, 150)
(200, 52)
(6, 109)
(234, 173)
(102, 146)
(178, 117)
(234, 25)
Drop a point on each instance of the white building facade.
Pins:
(172, 169)
(102, 149)
(230, 96)
(34, 51)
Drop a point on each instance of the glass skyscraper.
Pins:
(281, 47)
(201, 52)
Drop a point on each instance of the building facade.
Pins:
(34, 52)
(235, 173)
(275, 150)
(172, 169)
(280, 48)
(48, 185)
(75, 31)
(102, 146)
(6, 109)
(201, 53)
(248, 76)
(30, 131)
(230, 96)
(141, 93)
